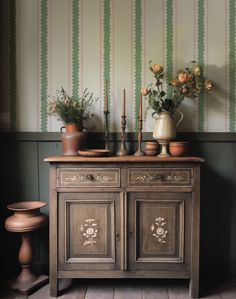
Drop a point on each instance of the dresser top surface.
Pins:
(123, 159)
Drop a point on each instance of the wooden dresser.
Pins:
(124, 217)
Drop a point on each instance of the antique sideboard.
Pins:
(124, 217)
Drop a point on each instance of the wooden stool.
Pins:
(26, 218)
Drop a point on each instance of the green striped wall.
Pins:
(82, 43)
(43, 64)
(201, 59)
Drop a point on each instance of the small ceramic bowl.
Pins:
(151, 148)
(178, 148)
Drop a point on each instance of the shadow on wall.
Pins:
(217, 194)
(9, 242)
(15, 181)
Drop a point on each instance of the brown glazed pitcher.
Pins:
(73, 139)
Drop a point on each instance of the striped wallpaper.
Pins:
(81, 43)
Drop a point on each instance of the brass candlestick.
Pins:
(123, 151)
(106, 130)
(139, 152)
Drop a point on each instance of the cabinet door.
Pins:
(159, 231)
(89, 229)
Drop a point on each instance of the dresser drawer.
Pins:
(88, 177)
(148, 177)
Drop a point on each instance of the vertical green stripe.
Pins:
(232, 45)
(107, 49)
(138, 56)
(75, 48)
(12, 65)
(169, 44)
(44, 63)
(201, 61)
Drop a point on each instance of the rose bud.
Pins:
(145, 91)
(199, 85)
(208, 84)
(184, 90)
(157, 68)
(197, 71)
(174, 82)
(182, 77)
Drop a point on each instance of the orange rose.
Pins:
(145, 91)
(157, 68)
(208, 84)
(182, 77)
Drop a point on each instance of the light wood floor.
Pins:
(129, 289)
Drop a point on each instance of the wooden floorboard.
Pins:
(100, 291)
(41, 293)
(77, 291)
(178, 289)
(155, 290)
(126, 289)
(9, 294)
(228, 289)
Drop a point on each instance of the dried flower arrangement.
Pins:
(71, 109)
(188, 83)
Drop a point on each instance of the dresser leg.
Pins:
(53, 286)
(194, 288)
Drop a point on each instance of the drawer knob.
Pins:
(118, 236)
(89, 177)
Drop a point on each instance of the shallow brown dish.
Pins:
(94, 152)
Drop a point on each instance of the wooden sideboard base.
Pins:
(124, 217)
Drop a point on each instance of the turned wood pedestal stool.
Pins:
(26, 219)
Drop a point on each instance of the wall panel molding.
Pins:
(131, 136)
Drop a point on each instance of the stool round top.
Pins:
(26, 205)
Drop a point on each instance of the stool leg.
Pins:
(25, 259)
(27, 282)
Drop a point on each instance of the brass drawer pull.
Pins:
(89, 177)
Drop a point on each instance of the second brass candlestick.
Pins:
(123, 151)
(139, 152)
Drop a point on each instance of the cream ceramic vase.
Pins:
(165, 130)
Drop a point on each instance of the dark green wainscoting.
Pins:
(24, 176)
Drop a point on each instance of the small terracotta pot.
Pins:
(151, 148)
(178, 148)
